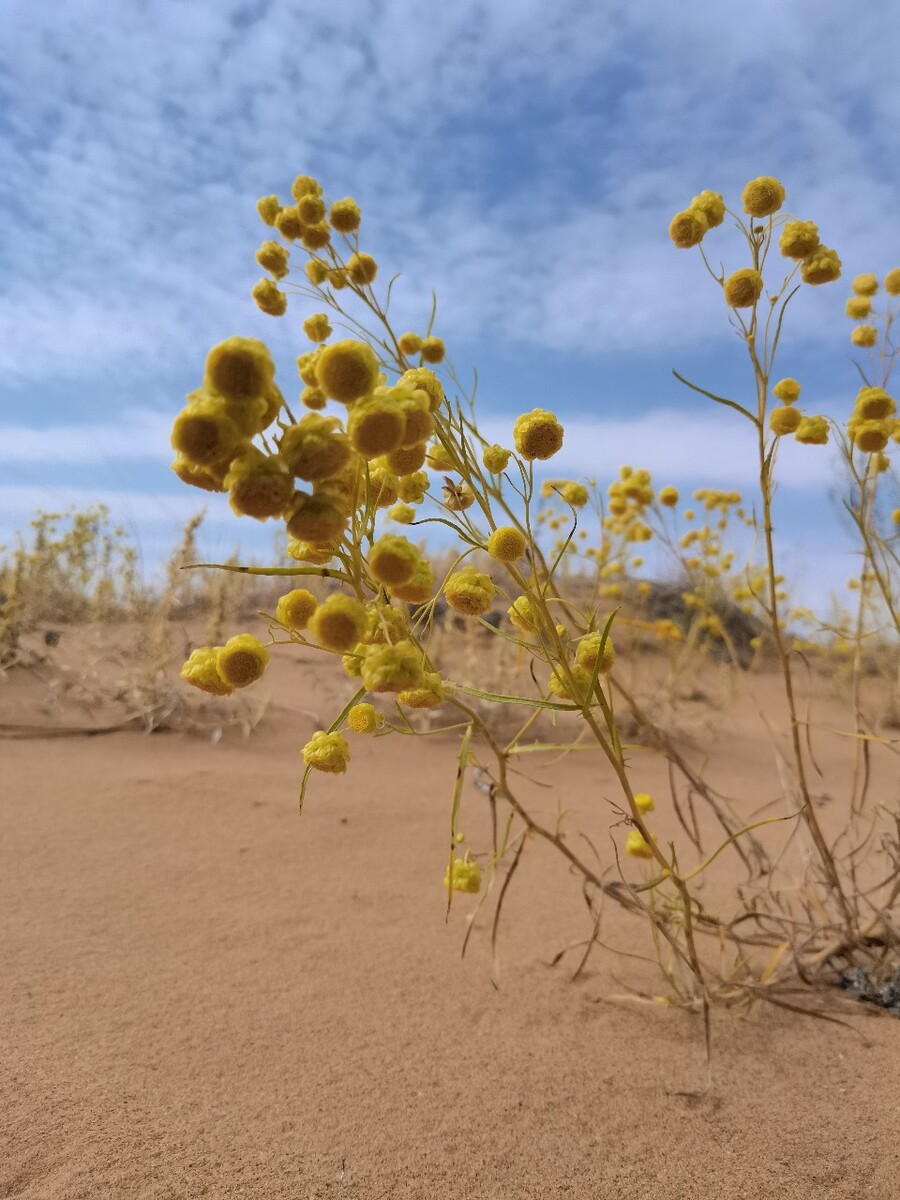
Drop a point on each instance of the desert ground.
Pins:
(205, 993)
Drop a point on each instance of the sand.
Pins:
(203, 994)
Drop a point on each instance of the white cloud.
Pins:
(137, 435)
(522, 160)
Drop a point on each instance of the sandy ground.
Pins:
(203, 994)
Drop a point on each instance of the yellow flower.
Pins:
(668, 496)
(589, 647)
(209, 479)
(345, 215)
(268, 298)
(419, 588)
(415, 406)
(364, 718)
(743, 288)
(762, 197)
(864, 335)
(469, 591)
(313, 398)
(559, 686)
(288, 223)
(812, 431)
(316, 518)
(383, 487)
(687, 228)
(787, 390)
(785, 420)
(874, 404)
(204, 433)
(305, 185)
(259, 485)
(376, 424)
(644, 802)
(393, 560)
(636, 847)
(858, 307)
(865, 285)
(384, 623)
(242, 660)
(495, 458)
(438, 458)
(892, 282)
(409, 343)
(317, 327)
(425, 380)
(798, 238)
(362, 268)
(506, 544)
(306, 366)
(200, 671)
(413, 488)
(273, 257)
(239, 369)
(295, 608)
(537, 434)
(895, 516)
(311, 209)
(403, 514)
(820, 266)
(327, 752)
(315, 447)
(317, 553)
(429, 694)
(407, 460)
(316, 237)
(711, 205)
(463, 875)
(337, 278)
(870, 436)
(432, 349)
(387, 668)
(346, 370)
(338, 623)
(521, 613)
(268, 208)
(316, 271)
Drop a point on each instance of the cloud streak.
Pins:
(525, 164)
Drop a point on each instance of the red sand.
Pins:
(203, 995)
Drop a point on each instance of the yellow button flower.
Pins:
(463, 876)
(242, 660)
(364, 718)
(812, 431)
(687, 228)
(200, 672)
(743, 288)
(798, 239)
(387, 668)
(864, 335)
(644, 802)
(327, 752)
(273, 257)
(865, 285)
(338, 623)
(315, 448)
(636, 846)
(259, 485)
(316, 518)
(429, 694)
(495, 458)
(317, 327)
(712, 205)
(345, 215)
(268, 298)
(346, 370)
(506, 544)
(295, 608)
(763, 196)
(858, 307)
(419, 588)
(393, 560)
(785, 420)
(469, 591)
(538, 434)
(821, 266)
(787, 390)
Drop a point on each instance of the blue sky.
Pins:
(523, 159)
